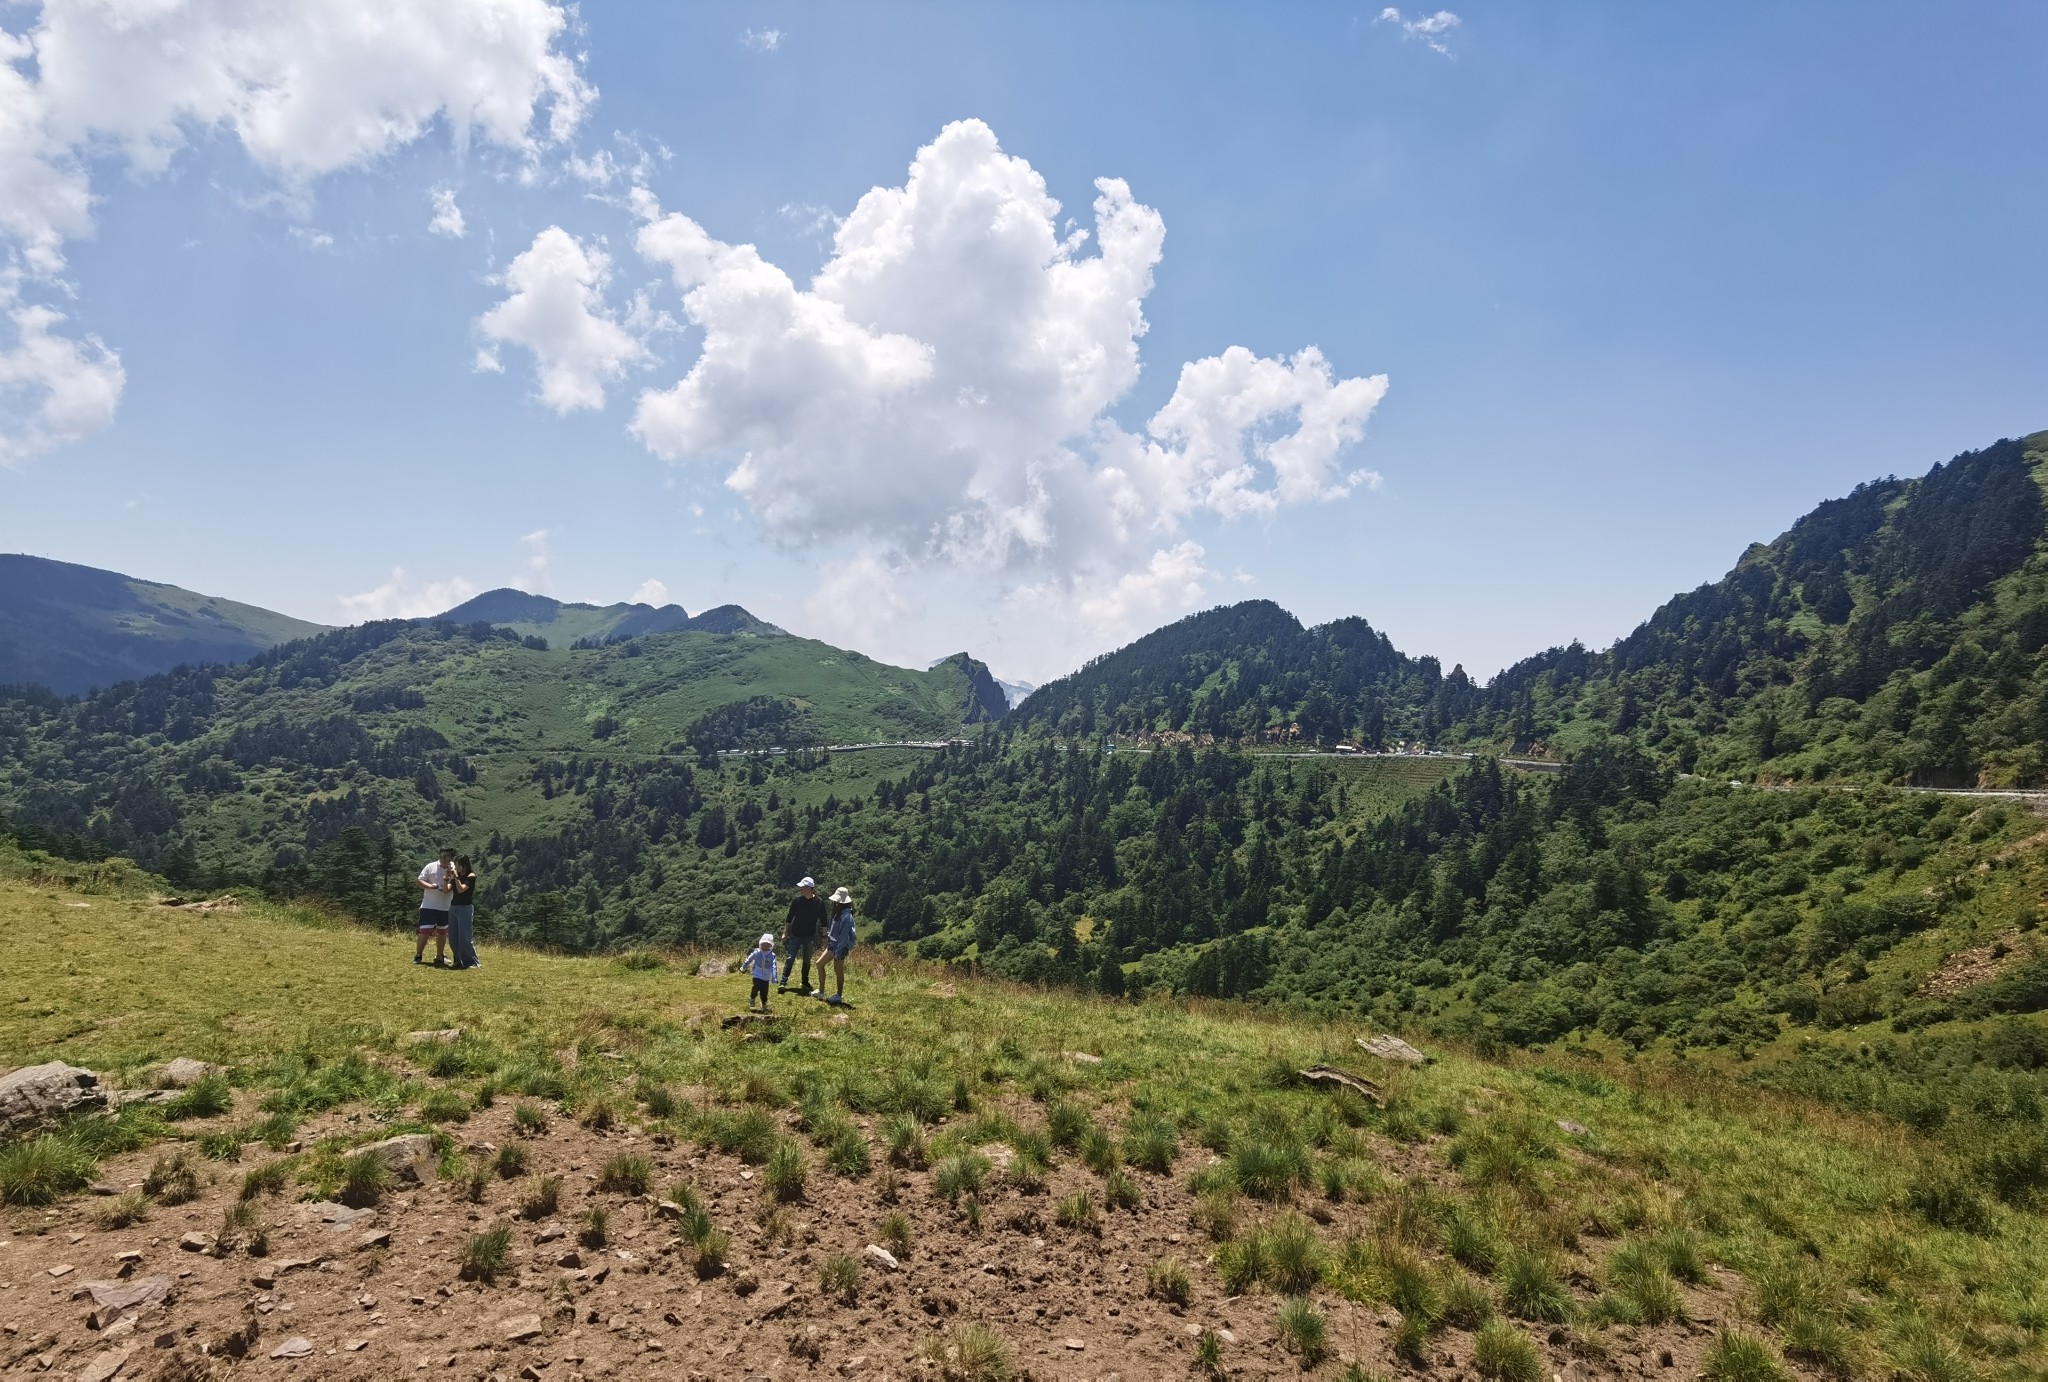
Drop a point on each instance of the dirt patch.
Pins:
(1968, 968)
(378, 1293)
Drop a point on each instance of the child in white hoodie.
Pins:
(761, 964)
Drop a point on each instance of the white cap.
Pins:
(807, 882)
(767, 938)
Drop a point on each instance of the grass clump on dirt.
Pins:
(41, 1170)
(1734, 1356)
(788, 1170)
(529, 1120)
(973, 1353)
(1168, 1280)
(487, 1255)
(542, 1199)
(596, 1230)
(129, 1207)
(896, 1233)
(1502, 1353)
(173, 1179)
(364, 1179)
(1303, 1330)
(208, 1097)
(626, 1174)
(839, 1277)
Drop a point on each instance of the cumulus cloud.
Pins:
(1434, 30)
(54, 390)
(761, 40)
(941, 390)
(306, 89)
(401, 597)
(447, 219)
(651, 592)
(537, 576)
(859, 603)
(555, 308)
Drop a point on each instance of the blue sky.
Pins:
(1645, 283)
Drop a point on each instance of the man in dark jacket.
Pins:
(800, 932)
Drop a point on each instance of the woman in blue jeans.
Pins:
(462, 913)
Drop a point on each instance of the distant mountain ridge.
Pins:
(564, 623)
(74, 628)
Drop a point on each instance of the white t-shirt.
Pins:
(435, 899)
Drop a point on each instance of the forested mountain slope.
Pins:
(1898, 634)
(566, 624)
(72, 628)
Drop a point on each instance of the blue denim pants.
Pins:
(462, 936)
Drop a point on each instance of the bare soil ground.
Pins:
(378, 1293)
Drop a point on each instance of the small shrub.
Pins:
(1119, 1191)
(123, 1210)
(1531, 1290)
(904, 1136)
(267, 1179)
(1503, 1353)
(960, 1175)
(1099, 1151)
(975, 1353)
(788, 1170)
(444, 1105)
(896, 1233)
(626, 1175)
(1739, 1357)
(173, 1179)
(1150, 1144)
(596, 1230)
(1168, 1280)
(840, 1277)
(487, 1255)
(511, 1161)
(1067, 1123)
(543, 1199)
(364, 1179)
(39, 1170)
(1077, 1211)
(1293, 1255)
(528, 1120)
(207, 1098)
(1303, 1330)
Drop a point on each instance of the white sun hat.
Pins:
(767, 938)
(842, 895)
(807, 882)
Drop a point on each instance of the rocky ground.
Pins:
(377, 1292)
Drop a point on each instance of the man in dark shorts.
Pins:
(436, 892)
(800, 932)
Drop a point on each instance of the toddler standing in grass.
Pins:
(761, 964)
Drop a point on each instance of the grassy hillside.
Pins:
(1186, 1186)
(564, 625)
(72, 628)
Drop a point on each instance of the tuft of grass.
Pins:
(528, 1120)
(173, 1179)
(1150, 1143)
(41, 1170)
(847, 1153)
(896, 1234)
(975, 1353)
(1077, 1211)
(1683, 1256)
(788, 1170)
(1814, 1338)
(658, 1098)
(1293, 1255)
(1066, 1123)
(601, 1114)
(1948, 1198)
(268, 1179)
(640, 959)
(1216, 1214)
(1119, 1191)
(1466, 1303)
(749, 1134)
(888, 1189)
(1209, 1354)
(1738, 1357)
(1242, 1263)
(712, 1246)
(487, 1255)
(476, 1180)
(1641, 1285)
(626, 1174)
(839, 1277)
(130, 1207)
(225, 1145)
(510, 1161)
(1472, 1240)
(445, 1105)
(244, 1226)
(1920, 1353)
(542, 1199)
(958, 1175)
(1099, 1152)
(596, 1230)
(364, 1179)
(1303, 1330)
(1268, 1170)
(904, 1136)
(1531, 1289)
(1502, 1353)
(207, 1098)
(1167, 1280)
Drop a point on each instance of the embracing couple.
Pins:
(448, 910)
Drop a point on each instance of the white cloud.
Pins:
(859, 604)
(308, 238)
(1433, 30)
(403, 598)
(306, 88)
(940, 391)
(54, 390)
(536, 577)
(556, 309)
(447, 219)
(761, 40)
(651, 592)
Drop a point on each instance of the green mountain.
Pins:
(73, 628)
(562, 625)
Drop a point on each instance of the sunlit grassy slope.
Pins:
(1828, 1218)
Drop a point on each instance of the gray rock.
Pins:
(184, 1072)
(880, 1255)
(408, 1155)
(295, 1347)
(126, 1295)
(103, 1368)
(1392, 1048)
(519, 1329)
(118, 1099)
(47, 1093)
(445, 1036)
(1571, 1129)
(711, 969)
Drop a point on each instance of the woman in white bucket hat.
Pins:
(839, 941)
